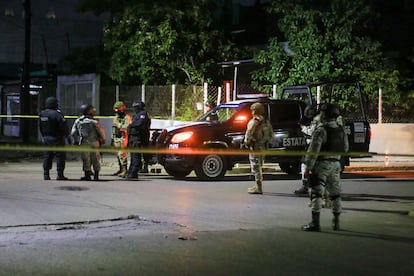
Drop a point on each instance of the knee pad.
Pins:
(315, 195)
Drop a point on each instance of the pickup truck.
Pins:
(351, 101)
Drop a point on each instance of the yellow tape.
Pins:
(37, 116)
(215, 151)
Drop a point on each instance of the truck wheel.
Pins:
(290, 168)
(177, 173)
(210, 167)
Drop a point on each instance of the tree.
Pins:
(158, 42)
(327, 41)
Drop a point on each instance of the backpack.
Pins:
(264, 132)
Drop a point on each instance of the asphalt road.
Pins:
(162, 226)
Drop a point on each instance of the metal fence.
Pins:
(175, 102)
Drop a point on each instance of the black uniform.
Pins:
(138, 137)
(54, 130)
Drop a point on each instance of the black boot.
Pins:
(335, 221)
(46, 175)
(87, 176)
(314, 225)
(61, 176)
(118, 172)
(305, 188)
(96, 176)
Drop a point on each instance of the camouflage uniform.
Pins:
(326, 169)
(88, 131)
(119, 137)
(255, 140)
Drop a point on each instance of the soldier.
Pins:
(259, 133)
(138, 137)
(324, 170)
(307, 124)
(88, 131)
(120, 136)
(54, 130)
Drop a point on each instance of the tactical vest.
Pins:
(334, 140)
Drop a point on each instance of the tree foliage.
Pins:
(325, 41)
(159, 41)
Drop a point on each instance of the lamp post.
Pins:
(25, 86)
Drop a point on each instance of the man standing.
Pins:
(120, 136)
(138, 137)
(89, 132)
(308, 125)
(54, 130)
(258, 135)
(323, 165)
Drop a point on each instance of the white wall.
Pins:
(392, 138)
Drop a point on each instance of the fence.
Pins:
(175, 102)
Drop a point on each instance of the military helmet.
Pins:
(332, 111)
(210, 104)
(51, 102)
(329, 110)
(258, 107)
(139, 105)
(85, 109)
(310, 111)
(118, 104)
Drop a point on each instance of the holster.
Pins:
(313, 180)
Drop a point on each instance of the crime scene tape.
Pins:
(187, 151)
(37, 116)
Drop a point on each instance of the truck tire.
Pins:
(177, 173)
(210, 167)
(290, 168)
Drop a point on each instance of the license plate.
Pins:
(359, 137)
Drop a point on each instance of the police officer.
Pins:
(213, 115)
(119, 137)
(324, 169)
(138, 137)
(255, 140)
(54, 130)
(88, 131)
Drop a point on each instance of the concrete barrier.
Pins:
(392, 138)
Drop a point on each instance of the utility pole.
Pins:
(25, 86)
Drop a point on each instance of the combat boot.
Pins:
(96, 176)
(118, 172)
(335, 221)
(314, 225)
(304, 190)
(123, 171)
(87, 176)
(61, 176)
(46, 175)
(256, 189)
